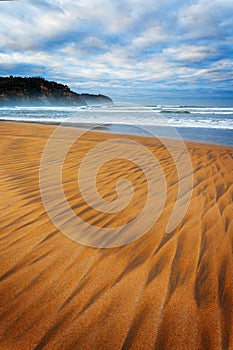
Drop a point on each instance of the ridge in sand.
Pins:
(162, 291)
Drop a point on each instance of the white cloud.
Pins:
(119, 43)
(190, 53)
(150, 37)
(206, 18)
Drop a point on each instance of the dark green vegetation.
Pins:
(17, 91)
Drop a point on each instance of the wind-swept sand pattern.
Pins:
(162, 291)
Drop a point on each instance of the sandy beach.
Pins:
(162, 291)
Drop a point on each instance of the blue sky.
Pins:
(164, 51)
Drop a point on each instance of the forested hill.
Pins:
(19, 91)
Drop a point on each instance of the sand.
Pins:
(162, 291)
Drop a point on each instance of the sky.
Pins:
(148, 52)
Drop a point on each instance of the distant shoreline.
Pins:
(25, 91)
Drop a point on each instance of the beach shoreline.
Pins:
(192, 135)
(162, 291)
(211, 125)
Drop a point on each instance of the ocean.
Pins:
(201, 124)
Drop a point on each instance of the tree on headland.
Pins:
(26, 90)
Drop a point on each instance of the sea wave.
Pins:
(175, 112)
(182, 117)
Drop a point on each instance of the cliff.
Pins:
(18, 91)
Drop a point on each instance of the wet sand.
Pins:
(162, 291)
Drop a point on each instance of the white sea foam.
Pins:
(178, 116)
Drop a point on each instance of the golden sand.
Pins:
(162, 291)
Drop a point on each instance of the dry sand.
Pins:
(162, 291)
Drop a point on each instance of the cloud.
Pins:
(191, 53)
(115, 46)
(206, 19)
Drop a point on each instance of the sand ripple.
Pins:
(163, 291)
